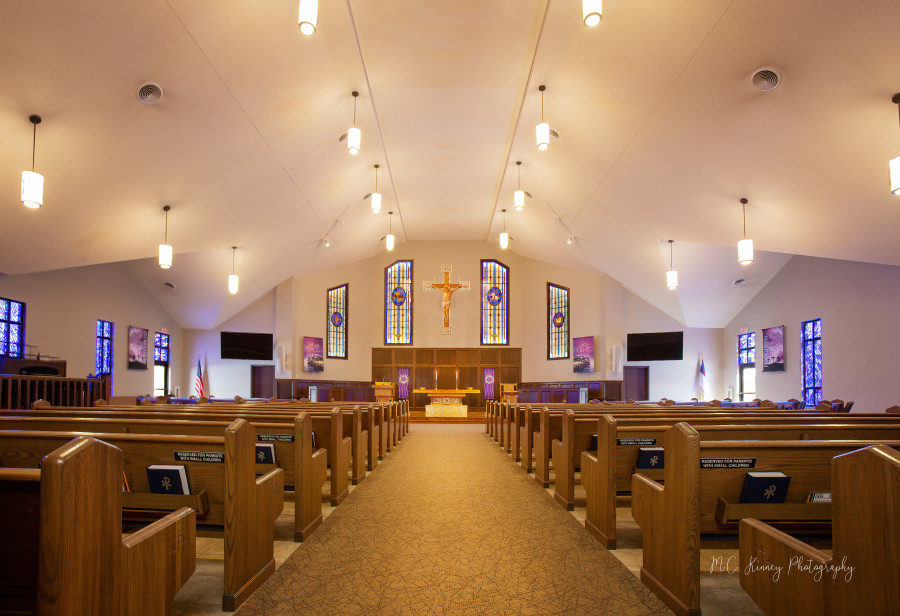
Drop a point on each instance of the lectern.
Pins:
(384, 391)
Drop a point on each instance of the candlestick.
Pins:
(457, 378)
(435, 378)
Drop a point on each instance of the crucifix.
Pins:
(447, 289)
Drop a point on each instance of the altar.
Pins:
(446, 402)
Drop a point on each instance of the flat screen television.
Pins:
(656, 346)
(244, 345)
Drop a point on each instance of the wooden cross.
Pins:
(447, 289)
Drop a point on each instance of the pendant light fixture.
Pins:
(895, 162)
(165, 250)
(745, 246)
(542, 132)
(309, 16)
(592, 11)
(504, 237)
(232, 277)
(33, 182)
(375, 197)
(519, 195)
(353, 135)
(389, 238)
(672, 274)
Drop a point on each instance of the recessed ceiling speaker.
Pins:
(766, 79)
(738, 282)
(169, 285)
(149, 93)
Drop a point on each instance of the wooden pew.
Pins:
(608, 470)
(63, 551)
(694, 501)
(862, 573)
(245, 505)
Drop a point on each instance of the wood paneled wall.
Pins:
(448, 369)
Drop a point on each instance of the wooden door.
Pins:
(636, 382)
(262, 381)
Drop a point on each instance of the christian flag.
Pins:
(701, 378)
(198, 381)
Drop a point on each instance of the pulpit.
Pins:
(384, 391)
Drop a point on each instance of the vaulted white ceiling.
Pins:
(660, 134)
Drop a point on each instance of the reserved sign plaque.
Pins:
(276, 438)
(727, 462)
(215, 457)
(635, 441)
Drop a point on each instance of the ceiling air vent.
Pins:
(765, 79)
(169, 285)
(738, 282)
(149, 93)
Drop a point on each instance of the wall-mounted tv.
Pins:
(244, 345)
(656, 346)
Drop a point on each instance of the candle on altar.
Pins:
(435, 378)
(457, 378)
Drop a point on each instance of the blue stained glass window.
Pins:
(494, 302)
(336, 322)
(12, 327)
(104, 349)
(160, 349)
(557, 322)
(747, 357)
(811, 356)
(398, 298)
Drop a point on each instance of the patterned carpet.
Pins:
(447, 524)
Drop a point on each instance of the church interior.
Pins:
(478, 206)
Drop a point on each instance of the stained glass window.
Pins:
(494, 302)
(104, 364)
(160, 364)
(12, 327)
(398, 278)
(336, 325)
(746, 349)
(811, 361)
(557, 322)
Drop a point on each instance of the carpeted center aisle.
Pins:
(447, 524)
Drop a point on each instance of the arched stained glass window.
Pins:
(398, 278)
(336, 325)
(557, 322)
(494, 302)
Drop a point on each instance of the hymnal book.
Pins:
(819, 497)
(651, 457)
(594, 444)
(168, 479)
(265, 453)
(765, 487)
(314, 441)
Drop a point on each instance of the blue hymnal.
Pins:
(594, 444)
(765, 487)
(265, 453)
(168, 479)
(651, 457)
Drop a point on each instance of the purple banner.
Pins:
(313, 360)
(402, 383)
(583, 358)
(488, 383)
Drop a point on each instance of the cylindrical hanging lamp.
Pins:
(542, 132)
(745, 246)
(376, 196)
(592, 12)
(353, 135)
(232, 277)
(309, 16)
(389, 238)
(33, 182)
(672, 274)
(165, 250)
(504, 236)
(895, 162)
(519, 195)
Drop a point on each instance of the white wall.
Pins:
(226, 378)
(676, 380)
(62, 311)
(857, 303)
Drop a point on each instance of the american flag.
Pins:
(198, 382)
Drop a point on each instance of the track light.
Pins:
(570, 240)
(504, 237)
(309, 16)
(519, 195)
(165, 250)
(895, 162)
(33, 182)
(326, 242)
(745, 246)
(376, 196)
(232, 277)
(542, 132)
(353, 135)
(592, 12)
(672, 274)
(389, 238)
